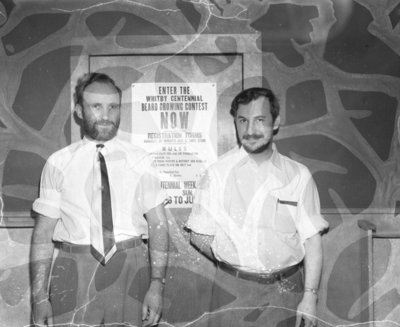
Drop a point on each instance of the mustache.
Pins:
(105, 122)
(252, 136)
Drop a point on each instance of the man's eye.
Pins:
(96, 106)
(114, 107)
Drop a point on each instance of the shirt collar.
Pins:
(108, 145)
(273, 161)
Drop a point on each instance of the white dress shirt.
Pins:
(67, 184)
(259, 215)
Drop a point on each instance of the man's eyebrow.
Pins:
(259, 116)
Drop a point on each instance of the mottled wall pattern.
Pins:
(335, 66)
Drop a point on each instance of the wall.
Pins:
(335, 67)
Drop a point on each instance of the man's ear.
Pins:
(277, 123)
(236, 132)
(78, 111)
(398, 128)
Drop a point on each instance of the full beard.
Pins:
(95, 132)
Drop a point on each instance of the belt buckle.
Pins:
(267, 278)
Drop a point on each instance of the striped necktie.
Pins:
(102, 242)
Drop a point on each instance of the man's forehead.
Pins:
(101, 94)
(100, 89)
(260, 105)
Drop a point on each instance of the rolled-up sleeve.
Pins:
(205, 206)
(150, 194)
(48, 203)
(309, 218)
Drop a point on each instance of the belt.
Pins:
(84, 248)
(262, 278)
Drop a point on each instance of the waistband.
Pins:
(85, 248)
(262, 278)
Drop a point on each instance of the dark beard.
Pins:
(260, 149)
(92, 131)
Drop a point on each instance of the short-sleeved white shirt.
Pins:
(260, 216)
(68, 180)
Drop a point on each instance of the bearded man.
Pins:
(256, 214)
(101, 207)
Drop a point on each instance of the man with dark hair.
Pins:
(101, 207)
(256, 214)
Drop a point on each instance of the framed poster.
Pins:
(177, 124)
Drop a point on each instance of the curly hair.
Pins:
(90, 78)
(251, 94)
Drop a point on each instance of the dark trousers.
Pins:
(83, 292)
(238, 302)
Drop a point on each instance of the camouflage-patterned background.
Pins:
(333, 63)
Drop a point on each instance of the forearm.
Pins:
(41, 256)
(40, 264)
(203, 244)
(158, 242)
(313, 262)
(307, 308)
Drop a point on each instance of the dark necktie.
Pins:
(105, 252)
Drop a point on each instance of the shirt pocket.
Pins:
(285, 214)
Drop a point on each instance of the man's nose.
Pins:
(250, 128)
(104, 113)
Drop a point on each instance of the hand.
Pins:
(152, 304)
(42, 313)
(307, 310)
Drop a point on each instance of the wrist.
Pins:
(311, 293)
(37, 296)
(311, 290)
(39, 300)
(158, 280)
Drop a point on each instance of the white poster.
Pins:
(177, 124)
